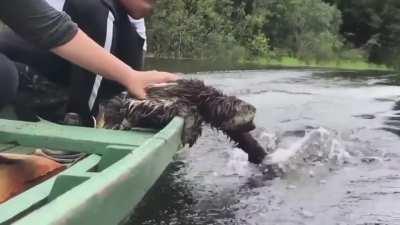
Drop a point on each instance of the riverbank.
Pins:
(290, 62)
(194, 66)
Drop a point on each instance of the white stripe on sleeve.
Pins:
(107, 46)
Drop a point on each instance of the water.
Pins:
(333, 135)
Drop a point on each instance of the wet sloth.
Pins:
(196, 103)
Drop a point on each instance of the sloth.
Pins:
(196, 103)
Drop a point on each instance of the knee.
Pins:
(8, 80)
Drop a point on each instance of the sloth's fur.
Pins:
(196, 103)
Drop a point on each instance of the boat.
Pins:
(104, 187)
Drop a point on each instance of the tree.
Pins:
(216, 29)
(372, 25)
(305, 28)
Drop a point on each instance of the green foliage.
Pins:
(259, 46)
(372, 25)
(296, 62)
(207, 29)
(386, 47)
(352, 54)
(307, 29)
(314, 31)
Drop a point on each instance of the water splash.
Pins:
(318, 148)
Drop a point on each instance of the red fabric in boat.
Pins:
(20, 172)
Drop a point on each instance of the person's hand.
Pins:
(139, 81)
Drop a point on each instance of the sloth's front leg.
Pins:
(248, 144)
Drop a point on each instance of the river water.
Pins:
(333, 134)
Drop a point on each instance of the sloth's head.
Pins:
(229, 113)
(111, 113)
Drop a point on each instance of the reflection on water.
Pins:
(334, 136)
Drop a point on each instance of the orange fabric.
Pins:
(20, 172)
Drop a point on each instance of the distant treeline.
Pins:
(311, 30)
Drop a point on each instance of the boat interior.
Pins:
(28, 181)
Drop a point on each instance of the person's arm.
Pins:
(86, 53)
(36, 21)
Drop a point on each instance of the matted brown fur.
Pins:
(192, 100)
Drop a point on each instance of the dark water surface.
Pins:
(334, 133)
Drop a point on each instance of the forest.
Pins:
(308, 30)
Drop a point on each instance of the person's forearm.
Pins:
(84, 52)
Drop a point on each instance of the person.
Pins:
(140, 26)
(48, 29)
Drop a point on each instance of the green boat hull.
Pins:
(101, 189)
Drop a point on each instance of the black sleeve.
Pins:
(37, 22)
